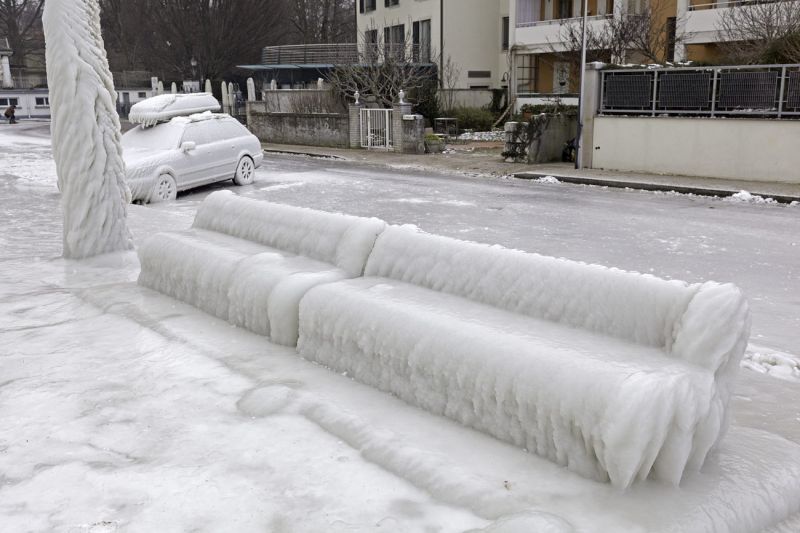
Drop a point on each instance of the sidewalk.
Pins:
(484, 159)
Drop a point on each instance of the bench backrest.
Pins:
(342, 240)
(637, 307)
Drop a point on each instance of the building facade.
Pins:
(472, 34)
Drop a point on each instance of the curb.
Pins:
(683, 189)
(309, 154)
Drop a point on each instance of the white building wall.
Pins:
(746, 149)
(472, 32)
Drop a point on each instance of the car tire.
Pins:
(245, 171)
(164, 190)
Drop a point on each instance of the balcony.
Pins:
(702, 19)
(541, 36)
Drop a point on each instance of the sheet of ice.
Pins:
(163, 107)
(85, 131)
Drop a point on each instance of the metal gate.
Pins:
(376, 128)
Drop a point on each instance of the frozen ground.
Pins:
(123, 410)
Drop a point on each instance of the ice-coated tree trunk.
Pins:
(85, 131)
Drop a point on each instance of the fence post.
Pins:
(655, 91)
(400, 109)
(781, 92)
(354, 123)
(591, 106)
(714, 91)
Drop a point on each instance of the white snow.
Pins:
(164, 107)
(251, 262)
(548, 179)
(747, 197)
(773, 362)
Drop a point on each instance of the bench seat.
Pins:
(604, 407)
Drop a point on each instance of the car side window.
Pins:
(194, 134)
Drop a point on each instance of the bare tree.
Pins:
(21, 21)
(322, 21)
(450, 73)
(382, 70)
(165, 35)
(649, 33)
(761, 32)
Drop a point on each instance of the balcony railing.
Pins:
(759, 90)
(700, 6)
(342, 53)
(549, 22)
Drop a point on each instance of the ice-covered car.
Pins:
(188, 151)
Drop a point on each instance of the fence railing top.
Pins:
(702, 68)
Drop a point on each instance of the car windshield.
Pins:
(165, 136)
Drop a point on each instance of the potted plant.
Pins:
(433, 144)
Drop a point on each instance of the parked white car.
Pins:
(186, 152)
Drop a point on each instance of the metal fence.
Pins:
(376, 128)
(762, 90)
(343, 53)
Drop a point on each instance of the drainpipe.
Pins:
(441, 44)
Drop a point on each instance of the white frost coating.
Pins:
(163, 107)
(574, 361)
(640, 308)
(342, 240)
(85, 131)
(251, 262)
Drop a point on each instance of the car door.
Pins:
(198, 165)
(222, 144)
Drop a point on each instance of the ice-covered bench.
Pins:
(250, 262)
(616, 375)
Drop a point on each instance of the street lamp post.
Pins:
(193, 63)
(579, 137)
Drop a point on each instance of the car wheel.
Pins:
(164, 190)
(245, 172)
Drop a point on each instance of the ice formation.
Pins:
(251, 262)
(85, 131)
(613, 374)
(163, 107)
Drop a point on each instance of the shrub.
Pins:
(473, 118)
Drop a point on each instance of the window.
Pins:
(422, 41)
(142, 95)
(564, 9)
(194, 133)
(371, 46)
(526, 73)
(394, 41)
(42, 101)
(9, 101)
(366, 5)
(389, 3)
(504, 29)
(671, 30)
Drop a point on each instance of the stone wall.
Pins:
(312, 129)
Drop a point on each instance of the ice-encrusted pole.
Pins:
(85, 131)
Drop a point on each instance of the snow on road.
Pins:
(124, 410)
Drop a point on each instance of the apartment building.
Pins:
(474, 34)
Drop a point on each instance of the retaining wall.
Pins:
(746, 149)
